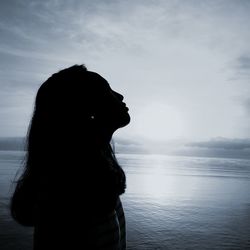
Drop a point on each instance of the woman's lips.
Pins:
(124, 104)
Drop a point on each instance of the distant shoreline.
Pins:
(127, 147)
(12, 144)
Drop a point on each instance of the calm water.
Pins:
(170, 203)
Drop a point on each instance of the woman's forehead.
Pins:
(95, 76)
(97, 80)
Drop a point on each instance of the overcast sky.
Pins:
(183, 66)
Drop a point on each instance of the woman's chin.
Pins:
(125, 120)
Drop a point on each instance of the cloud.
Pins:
(216, 147)
(247, 106)
(243, 67)
(220, 147)
(223, 143)
(244, 62)
(14, 143)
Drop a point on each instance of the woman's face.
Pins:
(111, 111)
(118, 109)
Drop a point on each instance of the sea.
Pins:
(171, 202)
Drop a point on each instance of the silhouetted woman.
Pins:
(69, 190)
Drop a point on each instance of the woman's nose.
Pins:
(121, 97)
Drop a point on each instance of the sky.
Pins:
(182, 66)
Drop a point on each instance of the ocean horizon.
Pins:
(171, 202)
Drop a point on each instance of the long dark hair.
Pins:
(61, 135)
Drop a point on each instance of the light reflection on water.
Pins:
(186, 202)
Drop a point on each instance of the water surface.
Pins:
(171, 203)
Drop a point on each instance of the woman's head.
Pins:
(75, 99)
